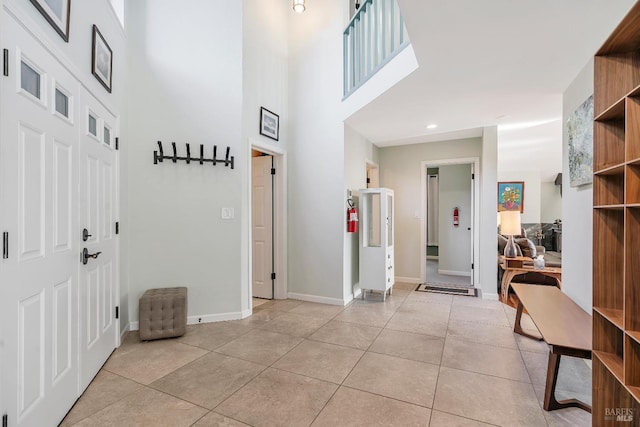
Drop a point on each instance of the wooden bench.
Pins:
(564, 326)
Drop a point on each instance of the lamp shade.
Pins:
(299, 6)
(510, 223)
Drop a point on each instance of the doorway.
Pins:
(448, 225)
(267, 223)
(262, 227)
(373, 174)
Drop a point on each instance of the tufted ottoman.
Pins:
(163, 313)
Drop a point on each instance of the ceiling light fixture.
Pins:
(299, 6)
(432, 126)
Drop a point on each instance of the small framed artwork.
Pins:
(56, 12)
(101, 59)
(269, 124)
(511, 196)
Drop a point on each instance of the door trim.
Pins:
(475, 202)
(279, 220)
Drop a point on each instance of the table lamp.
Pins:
(510, 226)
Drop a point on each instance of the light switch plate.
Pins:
(226, 213)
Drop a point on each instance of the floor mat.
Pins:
(444, 288)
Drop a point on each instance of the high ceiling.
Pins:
(497, 62)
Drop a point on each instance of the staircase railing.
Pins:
(375, 34)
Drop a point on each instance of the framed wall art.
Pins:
(101, 59)
(580, 132)
(269, 124)
(56, 12)
(511, 196)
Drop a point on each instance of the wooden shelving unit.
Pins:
(616, 223)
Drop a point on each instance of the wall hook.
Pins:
(158, 155)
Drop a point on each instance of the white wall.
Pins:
(550, 202)
(357, 150)
(186, 86)
(488, 271)
(577, 205)
(531, 180)
(401, 170)
(265, 84)
(265, 66)
(454, 250)
(316, 152)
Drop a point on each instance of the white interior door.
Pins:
(38, 198)
(262, 226)
(98, 202)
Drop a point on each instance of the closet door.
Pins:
(38, 199)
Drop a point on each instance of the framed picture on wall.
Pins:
(269, 124)
(101, 59)
(511, 196)
(56, 12)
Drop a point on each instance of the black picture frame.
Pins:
(59, 23)
(101, 59)
(269, 124)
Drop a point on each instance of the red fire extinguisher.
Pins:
(352, 217)
(456, 217)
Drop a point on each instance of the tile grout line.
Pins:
(444, 345)
(530, 379)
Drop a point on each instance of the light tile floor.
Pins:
(418, 359)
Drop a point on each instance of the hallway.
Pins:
(433, 277)
(417, 359)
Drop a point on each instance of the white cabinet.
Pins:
(376, 240)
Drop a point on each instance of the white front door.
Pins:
(98, 197)
(38, 199)
(262, 225)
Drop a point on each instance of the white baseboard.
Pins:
(415, 280)
(455, 273)
(205, 318)
(484, 295)
(221, 317)
(315, 298)
(123, 332)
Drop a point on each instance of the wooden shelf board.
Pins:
(634, 92)
(625, 37)
(610, 207)
(614, 112)
(613, 363)
(634, 335)
(633, 205)
(634, 391)
(611, 170)
(614, 316)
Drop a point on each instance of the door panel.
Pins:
(98, 201)
(38, 204)
(262, 226)
(63, 196)
(32, 193)
(62, 328)
(31, 353)
(107, 297)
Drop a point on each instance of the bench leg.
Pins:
(516, 325)
(550, 402)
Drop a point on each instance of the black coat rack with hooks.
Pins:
(158, 156)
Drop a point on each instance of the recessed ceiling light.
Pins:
(432, 126)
